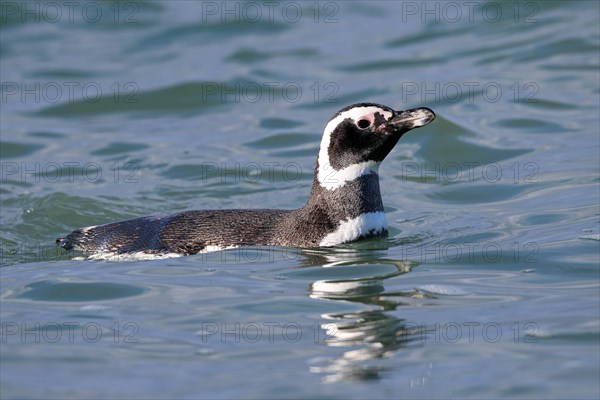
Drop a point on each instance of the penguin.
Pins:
(344, 205)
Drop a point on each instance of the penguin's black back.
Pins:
(185, 233)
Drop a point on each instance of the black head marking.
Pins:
(359, 137)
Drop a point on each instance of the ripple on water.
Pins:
(187, 97)
(279, 123)
(530, 125)
(246, 56)
(284, 140)
(52, 290)
(446, 147)
(119, 148)
(477, 194)
(14, 150)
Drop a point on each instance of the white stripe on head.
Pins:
(329, 177)
(347, 231)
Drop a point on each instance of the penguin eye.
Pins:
(363, 123)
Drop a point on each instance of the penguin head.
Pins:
(358, 138)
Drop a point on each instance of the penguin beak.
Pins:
(413, 118)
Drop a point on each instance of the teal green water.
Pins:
(488, 286)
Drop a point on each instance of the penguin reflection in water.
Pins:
(344, 204)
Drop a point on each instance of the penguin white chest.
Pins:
(366, 224)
